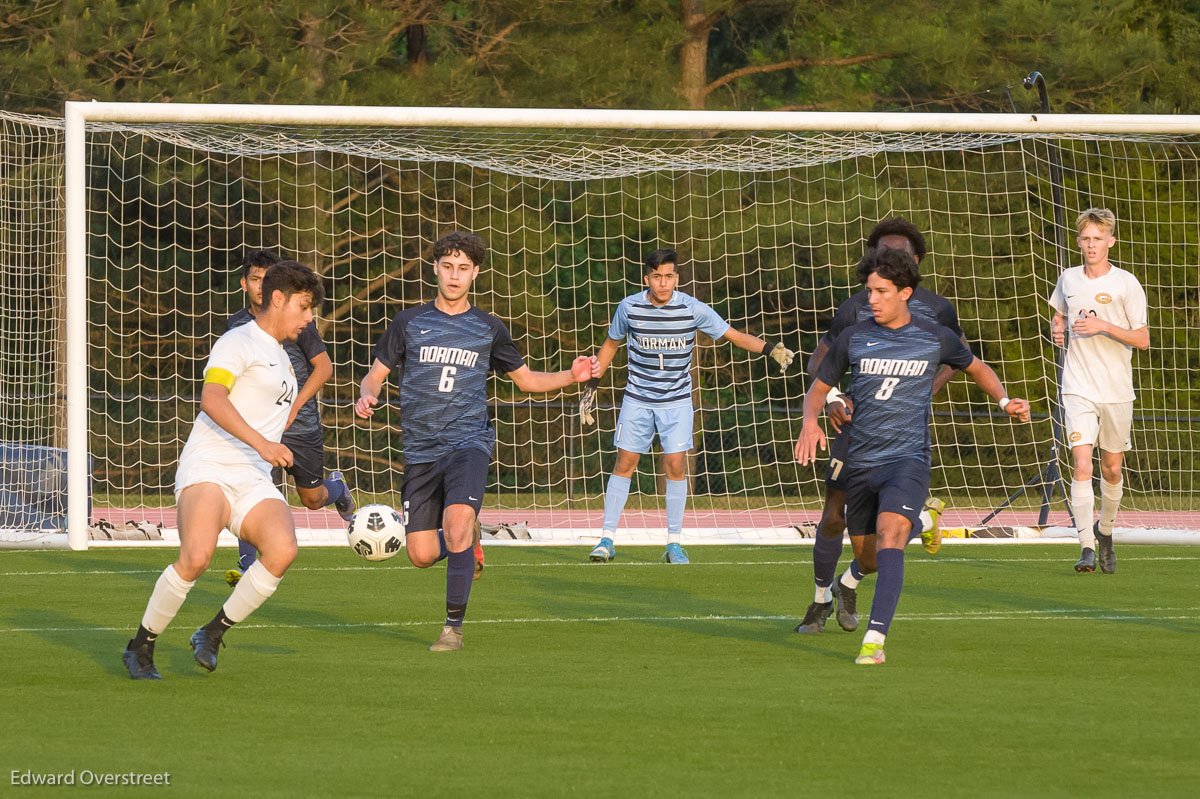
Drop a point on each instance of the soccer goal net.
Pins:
(769, 224)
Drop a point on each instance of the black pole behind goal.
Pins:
(1050, 477)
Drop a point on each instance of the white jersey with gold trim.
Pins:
(1098, 367)
(264, 388)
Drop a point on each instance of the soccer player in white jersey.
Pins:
(660, 324)
(1104, 307)
(224, 475)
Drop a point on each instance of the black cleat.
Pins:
(847, 610)
(205, 642)
(1087, 561)
(1106, 553)
(815, 618)
(140, 662)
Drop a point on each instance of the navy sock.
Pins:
(335, 489)
(826, 552)
(888, 583)
(856, 570)
(247, 554)
(443, 553)
(460, 569)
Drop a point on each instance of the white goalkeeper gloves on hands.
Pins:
(587, 402)
(780, 355)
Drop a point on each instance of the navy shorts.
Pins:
(839, 451)
(308, 459)
(899, 487)
(459, 478)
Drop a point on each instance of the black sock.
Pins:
(220, 622)
(143, 637)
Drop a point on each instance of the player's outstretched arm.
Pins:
(214, 401)
(532, 382)
(369, 390)
(947, 372)
(775, 351)
(986, 379)
(811, 434)
(318, 375)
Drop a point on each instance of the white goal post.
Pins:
(81, 118)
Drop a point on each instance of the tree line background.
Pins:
(170, 222)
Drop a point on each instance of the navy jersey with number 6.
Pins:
(891, 384)
(442, 364)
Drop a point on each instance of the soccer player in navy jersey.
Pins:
(303, 434)
(892, 359)
(661, 324)
(899, 234)
(442, 352)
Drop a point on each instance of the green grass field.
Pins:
(1008, 675)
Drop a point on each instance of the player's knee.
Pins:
(192, 564)
(285, 554)
(312, 499)
(420, 560)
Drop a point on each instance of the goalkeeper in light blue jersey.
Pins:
(660, 326)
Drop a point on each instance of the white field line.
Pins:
(584, 564)
(1044, 614)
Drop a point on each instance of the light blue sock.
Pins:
(676, 502)
(614, 503)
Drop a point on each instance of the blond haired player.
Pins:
(1104, 308)
(224, 475)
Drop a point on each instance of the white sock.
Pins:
(255, 588)
(1083, 505)
(873, 637)
(823, 595)
(848, 580)
(1110, 500)
(926, 521)
(165, 600)
(674, 538)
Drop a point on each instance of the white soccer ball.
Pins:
(376, 532)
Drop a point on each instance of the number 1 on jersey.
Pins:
(446, 384)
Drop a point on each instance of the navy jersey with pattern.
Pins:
(891, 385)
(300, 352)
(661, 341)
(442, 363)
(923, 304)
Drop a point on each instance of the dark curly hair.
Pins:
(898, 226)
(292, 277)
(894, 265)
(468, 244)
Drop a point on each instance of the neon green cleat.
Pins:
(871, 655)
(932, 539)
(233, 576)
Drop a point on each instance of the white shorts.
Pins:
(638, 423)
(1106, 423)
(243, 487)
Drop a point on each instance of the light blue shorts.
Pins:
(638, 423)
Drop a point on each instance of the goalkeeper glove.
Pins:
(780, 354)
(587, 401)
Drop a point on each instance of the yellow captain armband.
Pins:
(222, 377)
